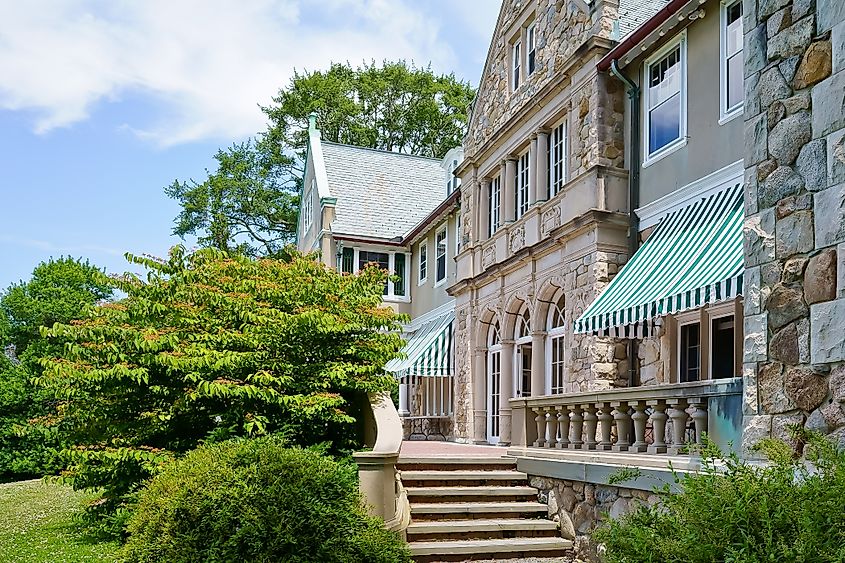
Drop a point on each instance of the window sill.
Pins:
(422, 282)
(395, 299)
(441, 282)
(728, 117)
(664, 152)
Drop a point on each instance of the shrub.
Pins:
(790, 509)
(255, 500)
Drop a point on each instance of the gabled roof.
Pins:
(380, 194)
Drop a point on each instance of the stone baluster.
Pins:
(606, 425)
(577, 427)
(658, 424)
(679, 417)
(551, 424)
(623, 425)
(540, 419)
(640, 419)
(563, 424)
(699, 417)
(590, 426)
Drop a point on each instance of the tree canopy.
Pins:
(249, 204)
(213, 346)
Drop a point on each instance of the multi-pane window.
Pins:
(440, 256)
(399, 273)
(347, 261)
(556, 346)
(422, 254)
(722, 348)
(394, 262)
(522, 359)
(521, 193)
(307, 208)
(494, 199)
(733, 89)
(516, 64)
(557, 160)
(531, 47)
(458, 235)
(690, 352)
(381, 259)
(494, 382)
(665, 103)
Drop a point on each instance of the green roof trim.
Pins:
(693, 258)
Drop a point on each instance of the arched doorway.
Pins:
(494, 382)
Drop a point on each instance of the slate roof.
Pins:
(379, 193)
(633, 13)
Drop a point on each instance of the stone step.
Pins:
(461, 550)
(460, 477)
(465, 510)
(429, 463)
(439, 530)
(468, 494)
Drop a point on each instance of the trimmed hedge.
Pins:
(255, 500)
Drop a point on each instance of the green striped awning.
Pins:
(428, 350)
(693, 258)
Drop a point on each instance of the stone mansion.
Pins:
(642, 238)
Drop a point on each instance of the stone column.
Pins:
(532, 171)
(479, 396)
(508, 190)
(541, 192)
(483, 211)
(538, 364)
(506, 393)
(794, 217)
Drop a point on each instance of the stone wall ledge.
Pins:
(586, 468)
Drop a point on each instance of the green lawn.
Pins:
(37, 525)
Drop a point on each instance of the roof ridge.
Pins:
(383, 151)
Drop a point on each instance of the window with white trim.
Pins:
(516, 64)
(494, 382)
(531, 47)
(521, 192)
(732, 87)
(395, 263)
(522, 354)
(440, 246)
(555, 348)
(557, 160)
(665, 99)
(307, 207)
(422, 262)
(493, 213)
(458, 236)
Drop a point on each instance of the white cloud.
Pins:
(207, 63)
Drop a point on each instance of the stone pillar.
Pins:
(506, 393)
(508, 190)
(538, 364)
(483, 211)
(794, 283)
(541, 192)
(479, 396)
(532, 171)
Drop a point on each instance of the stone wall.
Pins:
(795, 217)
(580, 507)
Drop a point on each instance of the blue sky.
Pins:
(103, 104)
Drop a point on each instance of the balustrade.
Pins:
(661, 419)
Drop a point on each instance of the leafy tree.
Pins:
(210, 347)
(250, 203)
(59, 291)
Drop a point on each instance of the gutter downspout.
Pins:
(633, 197)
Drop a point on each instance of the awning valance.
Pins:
(693, 258)
(428, 351)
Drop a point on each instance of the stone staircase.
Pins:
(471, 508)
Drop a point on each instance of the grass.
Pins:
(37, 525)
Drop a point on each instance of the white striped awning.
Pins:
(428, 350)
(693, 258)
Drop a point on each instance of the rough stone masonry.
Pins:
(794, 350)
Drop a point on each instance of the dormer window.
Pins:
(531, 47)
(516, 63)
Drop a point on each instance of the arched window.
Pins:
(494, 382)
(522, 354)
(555, 347)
